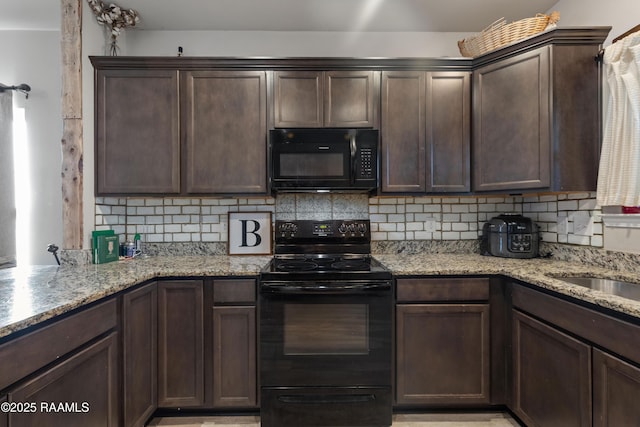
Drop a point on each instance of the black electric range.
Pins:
(325, 328)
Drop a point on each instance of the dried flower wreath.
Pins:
(114, 17)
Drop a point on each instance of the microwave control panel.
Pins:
(367, 163)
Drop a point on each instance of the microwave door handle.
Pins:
(354, 151)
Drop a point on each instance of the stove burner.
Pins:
(296, 266)
(351, 265)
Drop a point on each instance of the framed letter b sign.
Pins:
(249, 233)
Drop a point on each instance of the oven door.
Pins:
(325, 333)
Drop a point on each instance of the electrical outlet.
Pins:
(563, 225)
(582, 223)
(430, 225)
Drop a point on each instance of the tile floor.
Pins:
(489, 419)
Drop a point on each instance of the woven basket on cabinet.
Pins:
(500, 34)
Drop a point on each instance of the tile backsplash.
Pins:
(568, 218)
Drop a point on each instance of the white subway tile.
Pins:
(597, 241)
(211, 237)
(190, 228)
(568, 205)
(396, 236)
(181, 237)
(172, 228)
(450, 235)
(459, 226)
(469, 235)
(395, 218)
(423, 235)
(415, 226)
(379, 236)
(387, 209)
(549, 237)
(387, 226)
(579, 240)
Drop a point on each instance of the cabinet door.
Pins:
(551, 375)
(225, 132)
(4, 418)
(140, 351)
(298, 99)
(86, 385)
(403, 132)
(234, 357)
(511, 123)
(616, 387)
(180, 344)
(448, 129)
(350, 98)
(442, 354)
(137, 132)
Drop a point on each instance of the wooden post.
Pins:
(72, 148)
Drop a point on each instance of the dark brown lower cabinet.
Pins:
(80, 391)
(616, 387)
(443, 346)
(442, 354)
(180, 344)
(234, 357)
(4, 418)
(140, 350)
(234, 344)
(551, 375)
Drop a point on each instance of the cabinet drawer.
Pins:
(30, 352)
(443, 289)
(234, 291)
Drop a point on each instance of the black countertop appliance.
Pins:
(510, 236)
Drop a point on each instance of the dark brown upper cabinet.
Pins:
(523, 117)
(137, 132)
(173, 132)
(325, 98)
(536, 120)
(425, 132)
(224, 130)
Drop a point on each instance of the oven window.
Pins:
(311, 165)
(326, 329)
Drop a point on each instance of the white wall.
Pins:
(33, 57)
(619, 14)
(292, 44)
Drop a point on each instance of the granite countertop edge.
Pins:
(33, 295)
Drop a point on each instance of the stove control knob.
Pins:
(343, 228)
(352, 228)
(362, 227)
(288, 228)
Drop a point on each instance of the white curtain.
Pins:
(7, 198)
(619, 174)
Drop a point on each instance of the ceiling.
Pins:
(292, 15)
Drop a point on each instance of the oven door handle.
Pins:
(323, 287)
(327, 399)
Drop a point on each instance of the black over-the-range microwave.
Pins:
(326, 159)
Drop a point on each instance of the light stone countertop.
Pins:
(541, 272)
(35, 294)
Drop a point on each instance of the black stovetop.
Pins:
(323, 250)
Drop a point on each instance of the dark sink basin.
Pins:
(614, 287)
